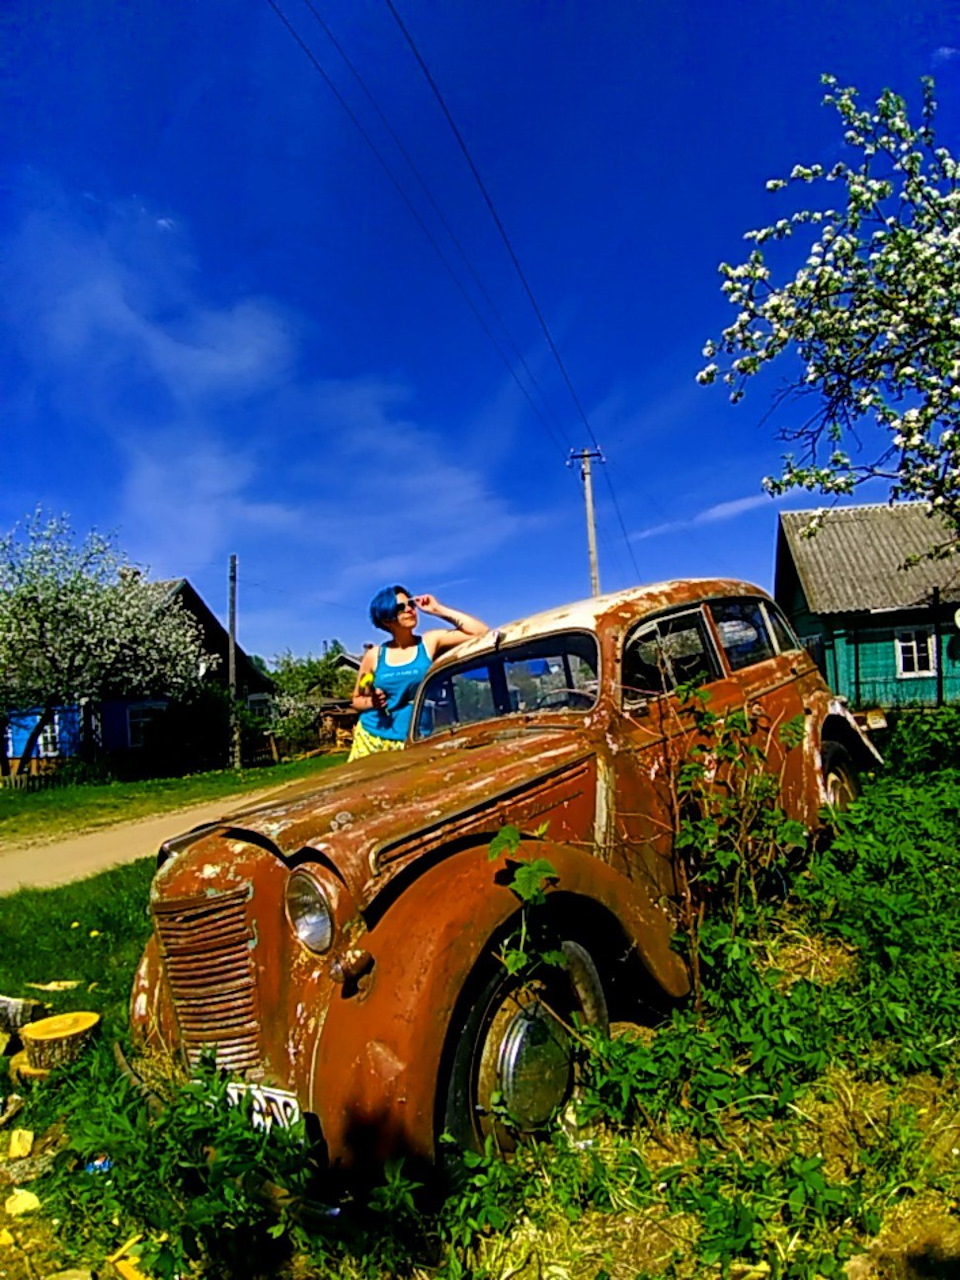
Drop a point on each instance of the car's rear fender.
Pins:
(378, 1059)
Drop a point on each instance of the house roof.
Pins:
(215, 637)
(856, 560)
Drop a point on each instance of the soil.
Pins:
(76, 857)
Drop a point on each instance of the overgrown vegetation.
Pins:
(807, 1112)
(66, 811)
(924, 738)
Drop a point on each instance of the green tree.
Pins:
(311, 675)
(301, 684)
(870, 318)
(79, 623)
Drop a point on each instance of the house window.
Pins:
(915, 652)
(49, 741)
(139, 718)
(260, 705)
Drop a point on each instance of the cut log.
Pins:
(53, 1042)
(21, 1072)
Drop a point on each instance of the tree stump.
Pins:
(53, 1042)
(21, 1072)
(15, 1013)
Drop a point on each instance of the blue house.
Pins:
(885, 631)
(121, 724)
(60, 738)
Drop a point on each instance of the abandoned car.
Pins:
(340, 950)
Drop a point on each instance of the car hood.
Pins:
(374, 817)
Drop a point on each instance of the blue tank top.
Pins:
(400, 684)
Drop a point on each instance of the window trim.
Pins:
(759, 601)
(914, 633)
(48, 744)
(772, 611)
(630, 701)
(488, 656)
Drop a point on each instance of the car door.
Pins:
(764, 658)
(662, 658)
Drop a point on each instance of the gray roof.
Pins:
(856, 559)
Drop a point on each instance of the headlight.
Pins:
(309, 912)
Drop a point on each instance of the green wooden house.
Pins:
(885, 633)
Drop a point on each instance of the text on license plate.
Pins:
(268, 1106)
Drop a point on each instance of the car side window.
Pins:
(782, 631)
(743, 632)
(662, 654)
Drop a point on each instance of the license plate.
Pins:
(268, 1106)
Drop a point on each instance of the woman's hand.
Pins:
(428, 604)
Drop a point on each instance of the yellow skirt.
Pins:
(366, 743)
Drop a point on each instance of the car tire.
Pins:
(514, 1063)
(840, 780)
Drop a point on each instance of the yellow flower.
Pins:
(75, 925)
(94, 933)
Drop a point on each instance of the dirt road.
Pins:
(43, 865)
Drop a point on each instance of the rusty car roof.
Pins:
(585, 615)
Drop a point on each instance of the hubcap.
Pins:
(534, 1066)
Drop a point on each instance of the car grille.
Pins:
(205, 945)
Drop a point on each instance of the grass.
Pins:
(41, 816)
(810, 1115)
(90, 932)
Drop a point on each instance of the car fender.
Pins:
(377, 1059)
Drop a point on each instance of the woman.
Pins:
(390, 673)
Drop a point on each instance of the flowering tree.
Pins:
(873, 314)
(79, 622)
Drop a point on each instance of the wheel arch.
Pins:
(844, 731)
(379, 1055)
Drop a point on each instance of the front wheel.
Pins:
(515, 1059)
(839, 776)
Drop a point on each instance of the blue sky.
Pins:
(224, 331)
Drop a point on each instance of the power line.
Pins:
(308, 52)
(398, 142)
(514, 259)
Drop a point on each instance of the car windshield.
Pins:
(556, 673)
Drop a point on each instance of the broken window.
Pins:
(663, 654)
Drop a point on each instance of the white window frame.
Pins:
(48, 744)
(917, 641)
(140, 706)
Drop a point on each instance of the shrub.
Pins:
(924, 739)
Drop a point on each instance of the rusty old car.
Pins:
(339, 950)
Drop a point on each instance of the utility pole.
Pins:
(584, 457)
(232, 668)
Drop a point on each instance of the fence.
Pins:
(31, 781)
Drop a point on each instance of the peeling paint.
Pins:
(397, 846)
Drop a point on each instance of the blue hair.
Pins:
(383, 606)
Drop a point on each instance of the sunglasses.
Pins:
(404, 604)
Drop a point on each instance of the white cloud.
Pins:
(720, 511)
(946, 53)
(208, 436)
